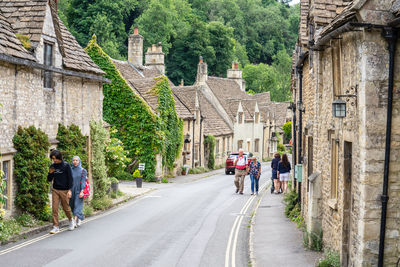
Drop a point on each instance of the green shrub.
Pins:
(101, 203)
(8, 228)
(31, 166)
(198, 170)
(281, 148)
(164, 180)
(116, 157)
(209, 142)
(101, 182)
(291, 201)
(71, 142)
(26, 220)
(332, 259)
(124, 176)
(87, 210)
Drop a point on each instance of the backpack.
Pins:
(86, 190)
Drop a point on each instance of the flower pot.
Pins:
(139, 182)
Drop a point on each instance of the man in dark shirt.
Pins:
(61, 175)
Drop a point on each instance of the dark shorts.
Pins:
(274, 174)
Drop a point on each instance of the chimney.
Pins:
(135, 48)
(155, 57)
(236, 74)
(202, 72)
(182, 83)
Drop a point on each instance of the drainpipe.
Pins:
(294, 142)
(200, 146)
(300, 159)
(193, 141)
(390, 35)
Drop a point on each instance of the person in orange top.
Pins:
(241, 169)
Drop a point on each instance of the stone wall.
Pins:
(357, 64)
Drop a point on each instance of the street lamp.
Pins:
(339, 108)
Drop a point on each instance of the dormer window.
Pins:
(48, 61)
(240, 117)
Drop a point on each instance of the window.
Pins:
(334, 168)
(256, 145)
(257, 120)
(48, 61)
(248, 146)
(227, 144)
(240, 117)
(223, 145)
(240, 144)
(189, 126)
(6, 178)
(217, 147)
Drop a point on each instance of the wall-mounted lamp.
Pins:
(339, 108)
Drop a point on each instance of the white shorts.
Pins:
(284, 177)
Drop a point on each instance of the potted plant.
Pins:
(114, 184)
(136, 175)
(183, 170)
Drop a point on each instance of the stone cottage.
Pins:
(347, 102)
(141, 78)
(46, 80)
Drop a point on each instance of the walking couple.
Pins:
(242, 168)
(68, 188)
(280, 173)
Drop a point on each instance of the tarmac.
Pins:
(274, 239)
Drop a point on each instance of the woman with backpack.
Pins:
(283, 172)
(274, 166)
(79, 181)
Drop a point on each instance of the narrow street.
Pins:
(201, 223)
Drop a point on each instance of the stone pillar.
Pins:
(202, 72)
(135, 48)
(155, 57)
(236, 74)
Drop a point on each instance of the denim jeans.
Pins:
(254, 181)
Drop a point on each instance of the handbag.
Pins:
(86, 190)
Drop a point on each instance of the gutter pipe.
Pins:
(390, 35)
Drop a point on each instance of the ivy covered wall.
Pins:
(143, 133)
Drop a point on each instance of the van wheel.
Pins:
(227, 172)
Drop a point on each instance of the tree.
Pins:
(104, 18)
(287, 129)
(221, 39)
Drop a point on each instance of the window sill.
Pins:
(332, 203)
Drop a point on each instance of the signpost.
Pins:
(141, 168)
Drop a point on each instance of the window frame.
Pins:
(48, 75)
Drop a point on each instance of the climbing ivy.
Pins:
(171, 125)
(99, 138)
(137, 126)
(30, 170)
(209, 142)
(71, 142)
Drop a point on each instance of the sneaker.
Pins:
(252, 194)
(241, 193)
(237, 191)
(71, 225)
(78, 222)
(55, 230)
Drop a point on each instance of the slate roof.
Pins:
(213, 123)
(143, 80)
(323, 11)
(278, 111)
(9, 43)
(27, 18)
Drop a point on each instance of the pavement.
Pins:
(275, 240)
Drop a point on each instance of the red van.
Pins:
(229, 167)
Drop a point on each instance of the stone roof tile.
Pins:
(9, 43)
(27, 18)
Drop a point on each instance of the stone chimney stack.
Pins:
(155, 57)
(236, 74)
(202, 72)
(135, 48)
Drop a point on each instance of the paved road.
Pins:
(179, 224)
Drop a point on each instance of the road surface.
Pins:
(201, 223)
